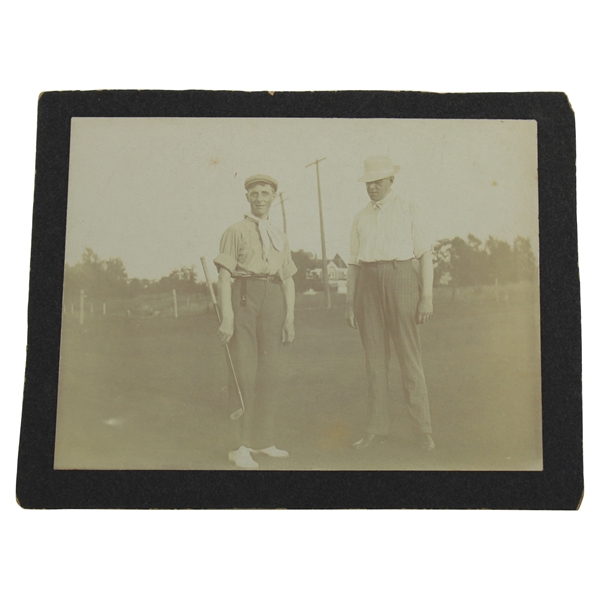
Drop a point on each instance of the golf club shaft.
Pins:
(239, 412)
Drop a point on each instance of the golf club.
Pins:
(235, 415)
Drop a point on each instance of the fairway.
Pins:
(148, 393)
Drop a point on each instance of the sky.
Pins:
(159, 192)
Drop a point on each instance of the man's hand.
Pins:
(288, 332)
(425, 310)
(225, 331)
(350, 317)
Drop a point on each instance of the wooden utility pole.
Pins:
(283, 210)
(325, 270)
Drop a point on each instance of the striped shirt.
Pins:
(391, 229)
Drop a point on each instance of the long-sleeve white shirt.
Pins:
(391, 229)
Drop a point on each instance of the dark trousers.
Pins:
(255, 348)
(386, 303)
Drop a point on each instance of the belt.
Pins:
(384, 262)
(268, 278)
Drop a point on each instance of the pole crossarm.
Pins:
(315, 162)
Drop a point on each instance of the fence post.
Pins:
(81, 305)
(72, 307)
(175, 302)
(91, 307)
(104, 308)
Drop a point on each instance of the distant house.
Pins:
(336, 269)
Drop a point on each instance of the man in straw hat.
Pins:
(387, 298)
(256, 297)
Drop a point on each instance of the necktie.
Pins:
(269, 234)
(378, 205)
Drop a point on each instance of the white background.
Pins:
(425, 46)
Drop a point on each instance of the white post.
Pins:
(496, 289)
(104, 308)
(91, 308)
(81, 305)
(175, 302)
(72, 307)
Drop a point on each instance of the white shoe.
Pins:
(242, 458)
(273, 452)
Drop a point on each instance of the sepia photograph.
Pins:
(307, 294)
(292, 299)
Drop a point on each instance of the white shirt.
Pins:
(390, 229)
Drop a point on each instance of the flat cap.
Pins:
(261, 179)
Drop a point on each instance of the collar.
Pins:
(388, 199)
(269, 234)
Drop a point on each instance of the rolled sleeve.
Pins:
(421, 235)
(354, 243)
(228, 251)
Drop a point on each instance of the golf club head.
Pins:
(235, 415)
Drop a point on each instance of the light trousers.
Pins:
(386, 302)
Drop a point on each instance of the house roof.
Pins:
(339, 262)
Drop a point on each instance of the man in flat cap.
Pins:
(388, 297)
(257, 297)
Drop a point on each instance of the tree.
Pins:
(524, 261)
(115, 278)
(501, 260)
(100, 279)
(466, 264)
(184, 280)
(473, 263)
(304, 261)
(441, 260)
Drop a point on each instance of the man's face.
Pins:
(260, 197)
(377, 190)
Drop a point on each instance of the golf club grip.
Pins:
(209, 283)
(227, 350)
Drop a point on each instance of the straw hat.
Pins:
(376, 168)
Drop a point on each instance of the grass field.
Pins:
(147, 393)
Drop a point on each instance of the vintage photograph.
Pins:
(301, 294)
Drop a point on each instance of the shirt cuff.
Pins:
(226, 261)
(418, 252)
(287, 271)
(353, 260)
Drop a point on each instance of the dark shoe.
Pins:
(425, 442)
(369, 440)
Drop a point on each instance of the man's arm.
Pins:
(352, 275)
(425, 305)
(288, 328)
(225, 331)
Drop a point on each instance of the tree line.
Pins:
(457, 262)
(463, 263)
(105, 279)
